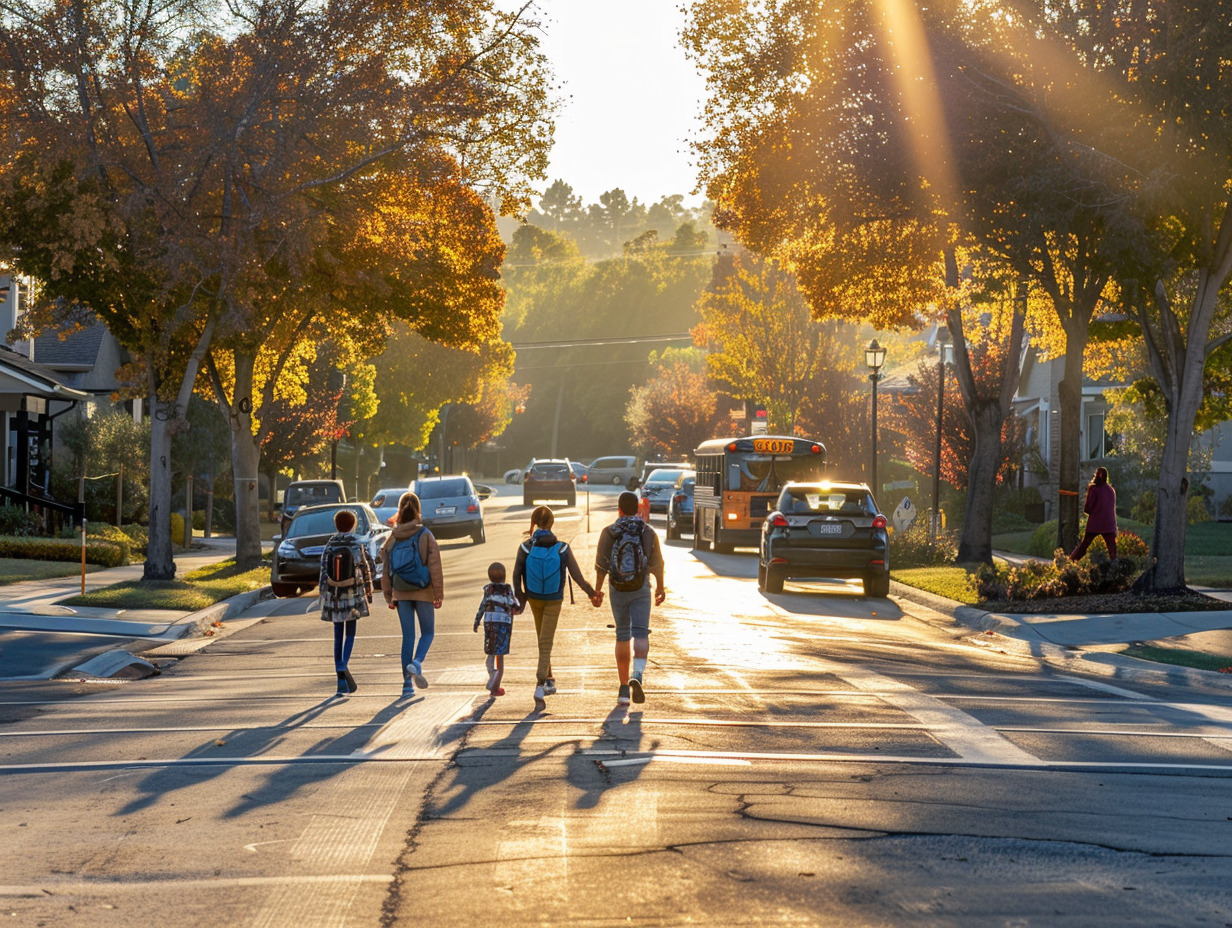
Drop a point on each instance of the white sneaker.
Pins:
(622, 696)
(416, 672)
(540, 705)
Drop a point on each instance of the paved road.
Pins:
(800, 759)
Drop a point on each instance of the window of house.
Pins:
(1099, 441)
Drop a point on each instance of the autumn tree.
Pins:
(207, 160)
(676, 410)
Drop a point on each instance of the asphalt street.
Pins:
(815, 757)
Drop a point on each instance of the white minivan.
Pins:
(617, 471)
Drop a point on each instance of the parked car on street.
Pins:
(450, 506)
(580, 473)
(651, 466)
(680, 507)
(309, 493)
(549, 479)
(297, 556)
(617, 470)
(514, 475)
(660, 485)
(385, 502)
(825, 530)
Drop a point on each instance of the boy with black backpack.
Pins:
(628, 555)
(346, 590)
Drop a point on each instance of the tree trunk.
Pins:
(975, 542)
(1069, 394)
(159, 559)
(245, 461)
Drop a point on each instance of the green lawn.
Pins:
(15, 570)
(1180, 657)
(950, 582)
(198, 589)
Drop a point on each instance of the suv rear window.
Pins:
(312, 495)
(824, 501)
(550, 471)
(443, 489)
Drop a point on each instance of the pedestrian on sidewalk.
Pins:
(628, 555)
(347, 571)
(496, 611)
(1100, 508)
(539, 576)
(414, 584)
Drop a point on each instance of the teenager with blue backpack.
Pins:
(539, 578)
(414, 584)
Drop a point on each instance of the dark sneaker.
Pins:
(417, 676)
(352, 686)
(622, 698)
(635, 689)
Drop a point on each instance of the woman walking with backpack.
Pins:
(539, 579)
(414, 584)
(1100, 507)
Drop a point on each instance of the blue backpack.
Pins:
(408, 564)
(543, 570)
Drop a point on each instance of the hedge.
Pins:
(98, 551)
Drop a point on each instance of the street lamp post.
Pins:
(874, 357)
(934, 524)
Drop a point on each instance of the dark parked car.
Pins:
(309, 493)
(297, 557)
(549, 479)
(450, 506)
(825, 530)
(661, 485)
(680, 507)
(580, 473)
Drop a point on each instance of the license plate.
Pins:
(827, 528)
(446, 510)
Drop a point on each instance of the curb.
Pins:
(942, 612)
(123, 663)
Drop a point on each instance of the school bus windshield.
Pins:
(766, 473)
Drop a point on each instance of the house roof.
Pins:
(36, 379)
(79, 351)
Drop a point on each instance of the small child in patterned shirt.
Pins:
(496, 611)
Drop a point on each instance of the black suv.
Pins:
(549, 479)
(827, 529)
(309, 493)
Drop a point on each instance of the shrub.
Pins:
(1004, 520)
(177, 528)
(14, 520)
(1129, 544)
(111, 535)
(912, 548)
(67, 549)
(1143, 509)
(1016, 501)
(138, 538)
(1058, 577)
(1197, 510)
(1044, 542)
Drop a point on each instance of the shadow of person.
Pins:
(241, 746)
(617, 756)
(481, 771)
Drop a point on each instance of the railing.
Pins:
(54, 515)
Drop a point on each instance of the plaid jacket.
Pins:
(341, 604)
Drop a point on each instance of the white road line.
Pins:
(958, 731)
(55, 888)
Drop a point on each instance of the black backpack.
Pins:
(628, 562)
(340, 566)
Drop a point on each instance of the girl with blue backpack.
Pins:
(539, 579)
(414, 584)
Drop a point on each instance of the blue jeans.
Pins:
(407, 611)
(631, 611)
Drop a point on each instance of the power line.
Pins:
(591, 342)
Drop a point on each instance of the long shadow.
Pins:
(238, 747)
(594, 776)
(470, 778)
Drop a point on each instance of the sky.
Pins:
(631, 98)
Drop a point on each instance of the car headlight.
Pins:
(287, 550)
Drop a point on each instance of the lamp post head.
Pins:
(874, 356)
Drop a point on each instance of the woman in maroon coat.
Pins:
(1101, 515)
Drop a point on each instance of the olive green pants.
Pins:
(547, 614)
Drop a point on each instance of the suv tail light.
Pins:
(778, 520)
(879, 522)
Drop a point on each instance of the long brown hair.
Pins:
(540, 517)
(1101, 477)
(408, 508)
